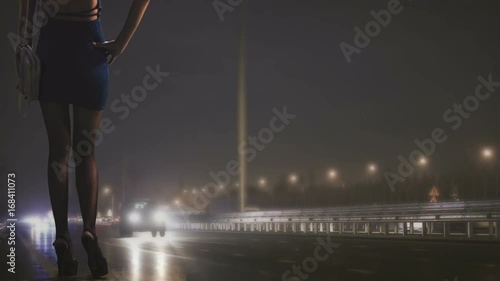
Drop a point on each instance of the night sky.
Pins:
(394, 91)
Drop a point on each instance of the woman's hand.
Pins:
(113, 49)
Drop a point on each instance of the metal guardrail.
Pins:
(463, 220)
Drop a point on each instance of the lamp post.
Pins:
(422, 163)
(242, 107)
(488, 155)
(108, 190)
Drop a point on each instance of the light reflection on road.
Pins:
(138, 258)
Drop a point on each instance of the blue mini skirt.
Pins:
(72, 70)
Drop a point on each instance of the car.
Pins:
(140, 216)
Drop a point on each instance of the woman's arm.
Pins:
(134, 17)
(116, 47)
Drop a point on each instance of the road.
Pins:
(254, 257)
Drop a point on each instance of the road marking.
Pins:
(286, 261)
(183, 257)
(361, 271)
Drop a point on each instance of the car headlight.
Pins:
(134, 217)
(158, 217)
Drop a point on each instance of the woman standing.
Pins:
(75, 61)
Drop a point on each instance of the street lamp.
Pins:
(262, 182)
(332, 174)
(372, 168)
(293, 178)
(488, 154)
(423, 161)
(108, 190)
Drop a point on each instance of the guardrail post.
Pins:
(385, 227)
(491, 229)
(411, 228)
(446, 231)
(294, 227)
(424, 228)
(328, 225)
(368, 229)
(354, 228)
(341, 228)
(405, 229)
(469, 229)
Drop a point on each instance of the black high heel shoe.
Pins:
(97, 263)
(67, 265)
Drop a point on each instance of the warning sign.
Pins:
(434, 194)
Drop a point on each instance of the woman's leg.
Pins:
(57, 125)
(86, 123)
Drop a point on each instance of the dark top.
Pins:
(87, 13)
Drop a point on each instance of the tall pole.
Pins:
(112, 207)
(242, 110)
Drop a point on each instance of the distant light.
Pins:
(262, 182)
(194, 190)
(422, 161)
(332, 174)
(134, 217)
(32, 220)
(221, 186)
(372, 168)
(107, 190)
(293, 178)
(158, 216)
(185, 191)
(487, 153)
